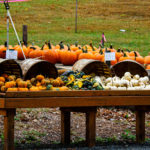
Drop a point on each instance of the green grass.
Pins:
(54, 20)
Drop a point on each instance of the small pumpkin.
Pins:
(10, 84)
(12, 78)
(39, 77)
(22, 84)
(12, 89)
(34, 88)
(55, 83)
(33, 81)
(4, 88)
(23, 89)
(2, 83)
(2, 79)
(45, 82)
(64, 88)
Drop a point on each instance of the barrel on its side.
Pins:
(32, 67)
(128, 66)
(10, 67)
(90, 66)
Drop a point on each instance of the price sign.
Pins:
(110, 56)
(11, 54)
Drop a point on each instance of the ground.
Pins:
(41, 128)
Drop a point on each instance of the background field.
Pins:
(54, 20)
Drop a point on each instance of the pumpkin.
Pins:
(10, 84)
(11, 78)
(2, 83)
(18, 80)
(22, 84)
(85, 55)
(12, 89)
(124, 57)
(36, 53)
(64, 88)
(34, 88)
(147, 59)
(3, 49)
(99, 56)
(78, 52)
(33, 81)
(3, 88)
(55, 83)
(133, 54)
(40, 77)
(42, 88)
(50, 56)
(138, 58)
(20, 53)
(38, 84)
(23, 89)
(68, 57)
(2, 79)
(61, 83)
(147, 66)
(118, 54)
(45, 82)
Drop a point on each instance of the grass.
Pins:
(55, 19)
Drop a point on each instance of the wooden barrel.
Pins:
(10, 67)
(32, 67)
(128, 66)
(92, 66)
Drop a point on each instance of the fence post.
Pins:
(25, 35)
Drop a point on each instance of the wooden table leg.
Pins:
(90, 128)
(9, 129)
(65, 127)
(140, 126)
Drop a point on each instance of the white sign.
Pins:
(11, 54)
(110, 56)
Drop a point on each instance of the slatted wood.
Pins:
(77, 101)
(76, 93)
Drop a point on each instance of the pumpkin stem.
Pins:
(128, 50)
(84, 50)
(76, 44)
(101, 52)
(124, 54)
(5, 43)
(49, 45)
(68, 47)
(111, 47)
(42, 47)
(106, 50)
(91, 45)
(119, 50)
(135, 54)
(61, 45)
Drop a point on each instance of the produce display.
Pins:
(68, 81)
(127, 82)
(68, 55)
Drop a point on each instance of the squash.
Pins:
(12, 89)
(2, 79)
(4, 88)
(34, 88)
(10, 84)
(39, 77)
(23, 89)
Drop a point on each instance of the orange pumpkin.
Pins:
(124, 57)
(50, 56)
(10, 84)
(148, 66)
(2, 83)
(2, 79)
(68, 57)
(40, 77)
(3, 88)
(64, 88)
(12, 89)
(147, 59)
(22, 84)
(20, 53)
(34, 88)
(23, 89)
(36, 54)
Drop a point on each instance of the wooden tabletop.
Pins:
(47, 99)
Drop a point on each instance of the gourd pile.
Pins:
(127, 82)
(70, 80)
(68, 55)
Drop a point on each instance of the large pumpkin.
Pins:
(50, 55)
(36, 53)
(68, 57)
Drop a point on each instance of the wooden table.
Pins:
(68, 101)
